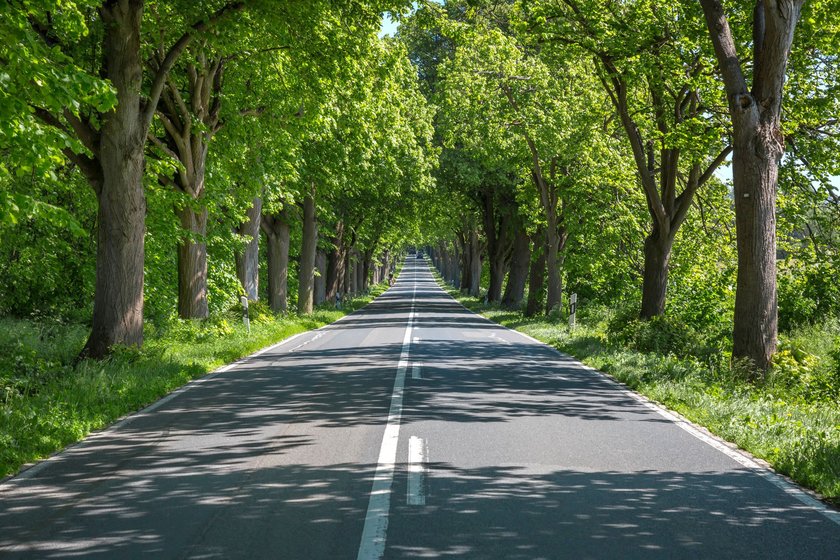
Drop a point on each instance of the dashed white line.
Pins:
(374, 534)
(416, 471)
(415, 371)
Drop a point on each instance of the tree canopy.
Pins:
(160, 158)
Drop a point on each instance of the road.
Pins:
(410, 429)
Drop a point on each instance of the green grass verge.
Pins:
(799, 437)
(48, 402)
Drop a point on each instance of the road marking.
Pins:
(416, 471)
(415, 371)
(372, 546)
(313, 339)
(416, 339)
(787, 486)
(495, 336)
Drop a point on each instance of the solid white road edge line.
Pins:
(740, 456)
(416, 493)
(374, 534)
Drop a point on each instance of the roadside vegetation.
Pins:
(49, 399)
(675, 165)
(790, 418)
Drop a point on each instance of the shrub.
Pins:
(662, 334)
(799, 373)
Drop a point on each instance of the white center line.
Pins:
(415, 371)
(416, 471)
(372, 546)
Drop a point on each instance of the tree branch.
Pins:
(175, 51)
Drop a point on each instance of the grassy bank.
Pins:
(791, 419)
(47, 401)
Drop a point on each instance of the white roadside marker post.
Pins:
(572, 310)
(245, 319)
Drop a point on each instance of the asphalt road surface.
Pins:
(411, 429)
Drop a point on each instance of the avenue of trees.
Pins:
(158, 156)
(586, 140)
(161, 159)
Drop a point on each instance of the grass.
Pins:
(47, 401)
(791, 419)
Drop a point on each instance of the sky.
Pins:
(389, 26)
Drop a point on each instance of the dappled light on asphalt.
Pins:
(530, 456)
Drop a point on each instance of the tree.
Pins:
(505, 101)
(758, 146)
(652, 71)
(113, 158)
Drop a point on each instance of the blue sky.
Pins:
(389, 26)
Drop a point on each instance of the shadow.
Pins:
(308, 511)
(275, 458)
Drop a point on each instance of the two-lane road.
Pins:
(410, 429)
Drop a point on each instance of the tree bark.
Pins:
(444, 262)
(758, 146)
(454, 266)
(518, 276)
(536, 276)
(248, 260)
(321, 278)
(368, 270)
(555, 244)
(192, 265)
(276, 230)
(349, 272)
(474, 288)
(118, 183)
(335, 263)
(497, 232)
(655, 279)
(308, 248)
(360, 272)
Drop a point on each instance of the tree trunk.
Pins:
(309, 246)
(444, 263)
(475, 265)
(454, 266)
(464, 261)
(192, 265)
(276, 230)
(655, 280)
(758, 146)
(555, 242)
(498, 268)
(536, 276)
(518, 276)
(368, 269)
(360, 272)
(248, 261)
(496, 230)
(349, 272)
(335, 263)
(118, 295)
(321, 278)
(756, 313)
(755, 174)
